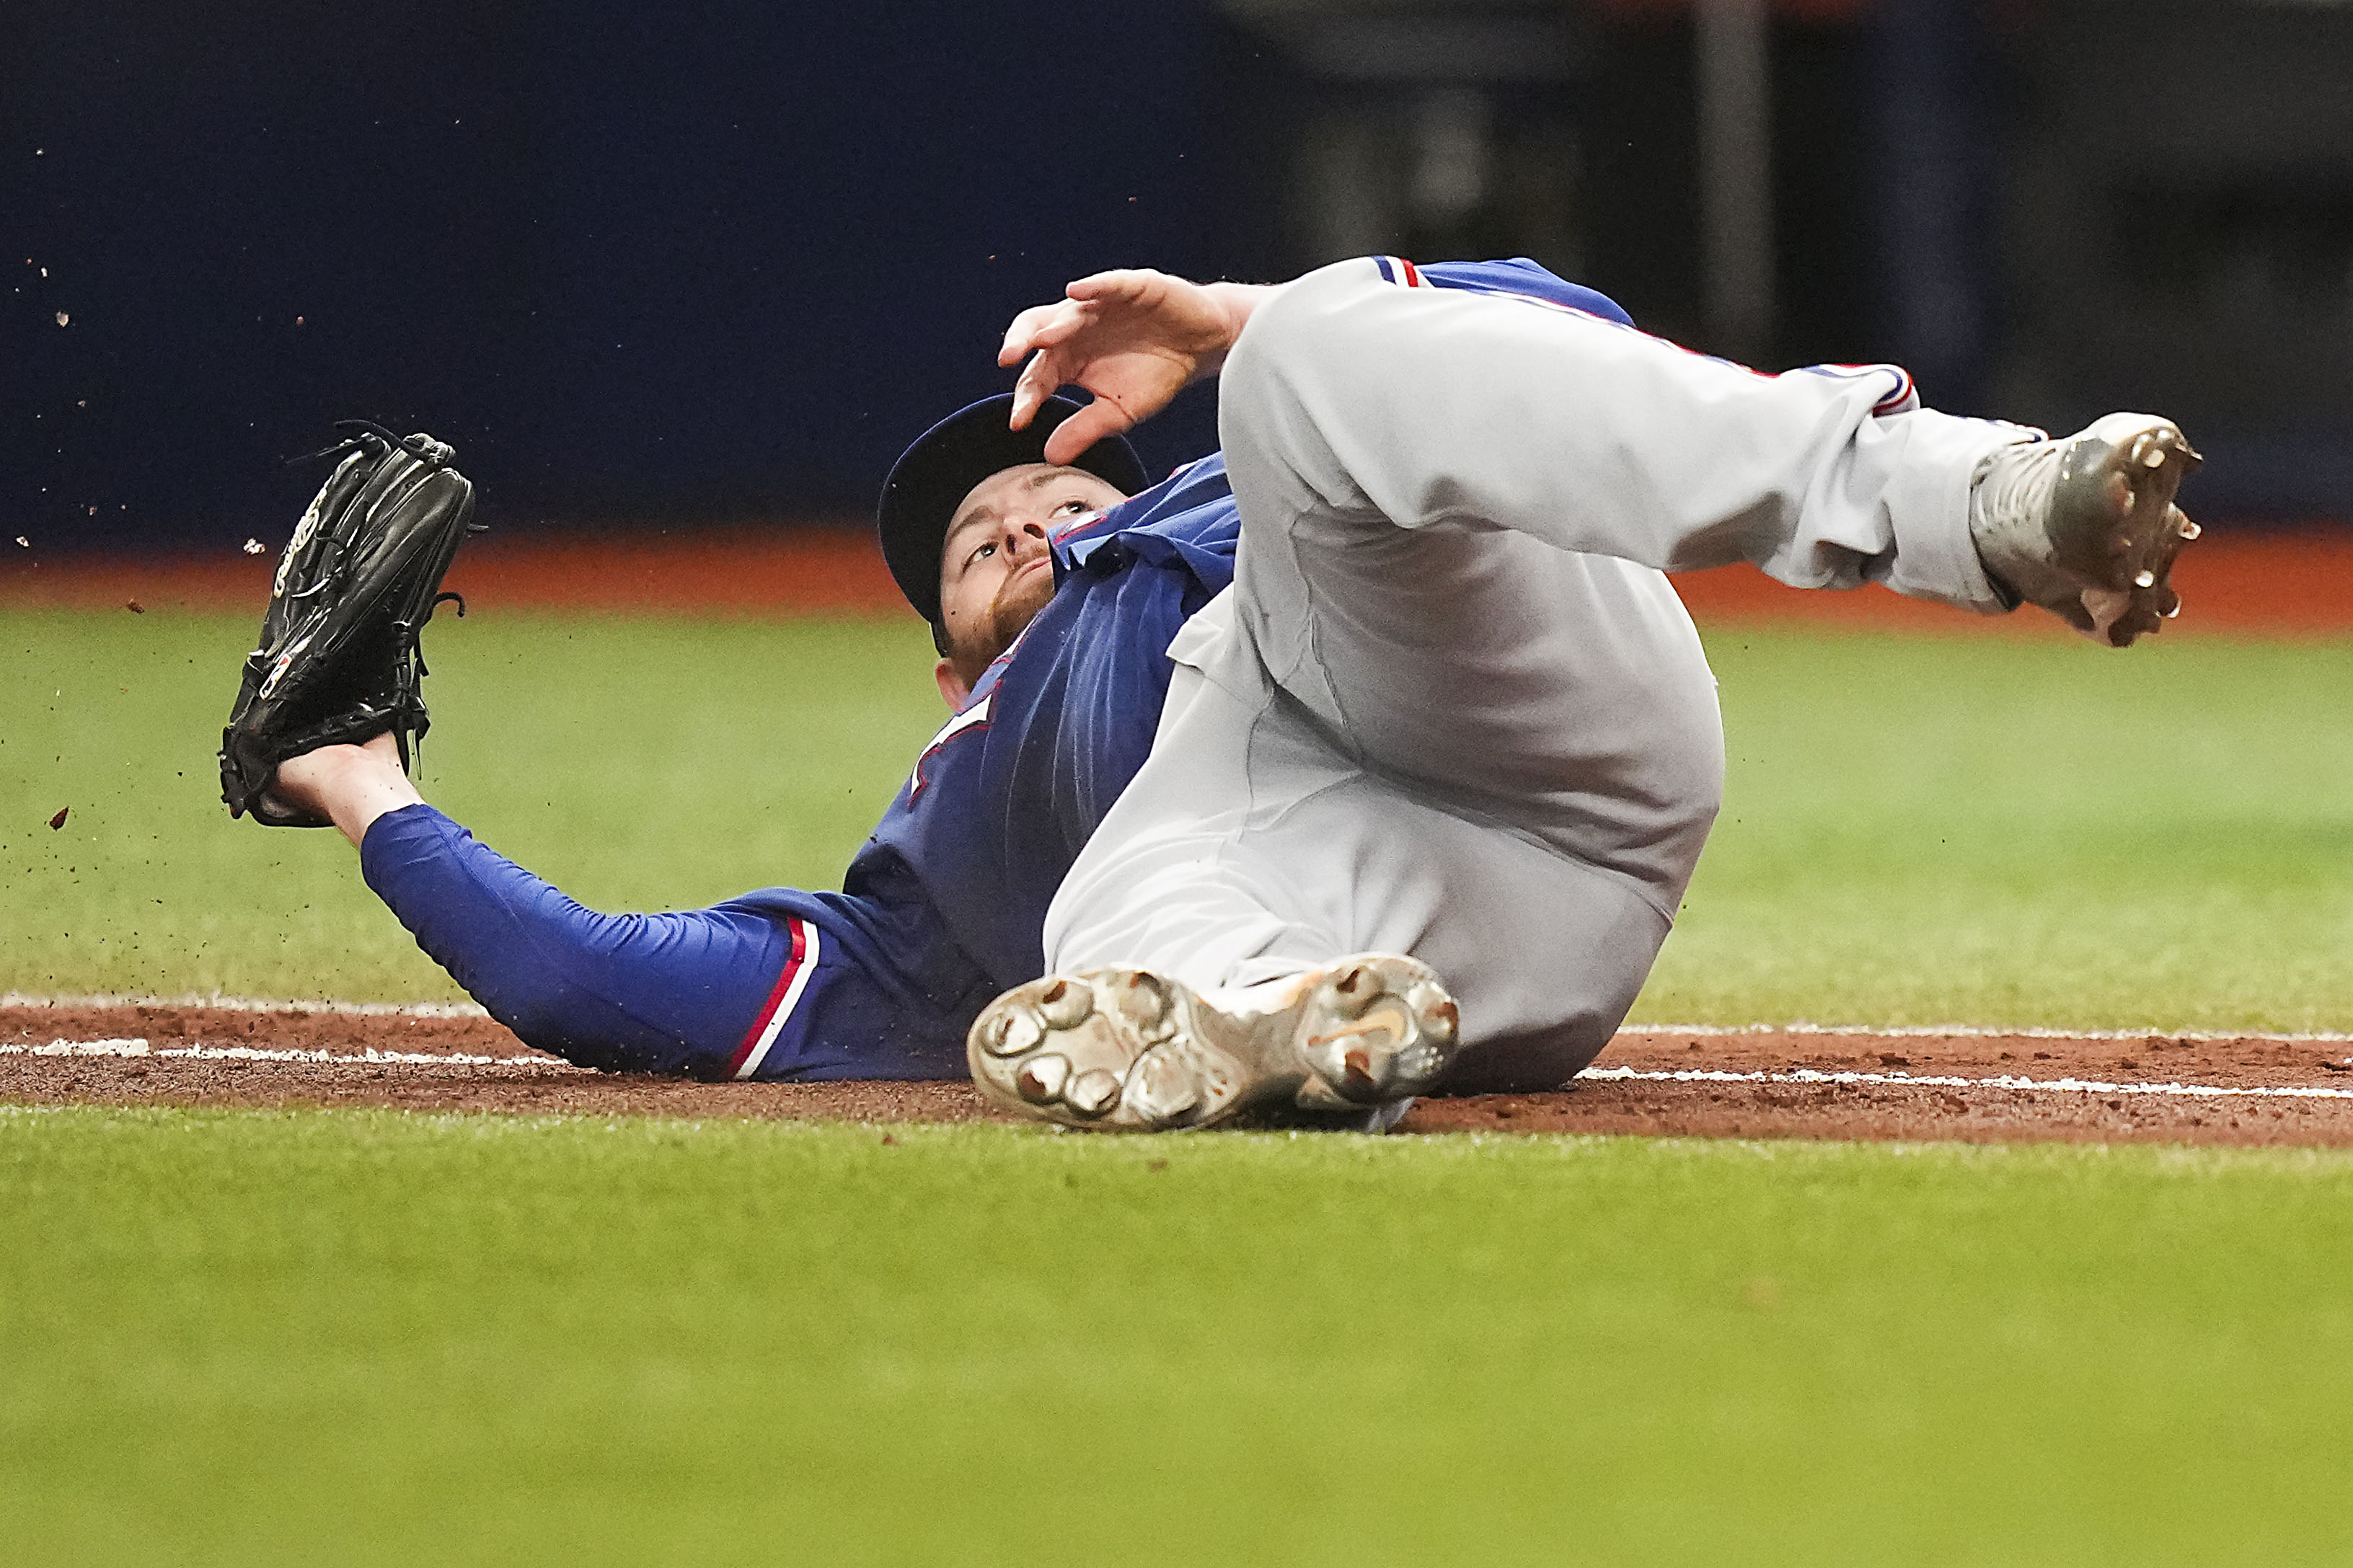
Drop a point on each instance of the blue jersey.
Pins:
(945, 906)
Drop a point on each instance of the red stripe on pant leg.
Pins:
(775, 998)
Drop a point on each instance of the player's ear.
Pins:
(952, 687)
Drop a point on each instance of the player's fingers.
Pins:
(1019, 336)
(1063, 325)
(1082, 430)
(1043, 326)
(1037, 381)
(1025, 397)
(1017, 345)
(1125, 283)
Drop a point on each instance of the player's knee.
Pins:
(1288, 331)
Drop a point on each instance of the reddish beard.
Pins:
(1009, 614)
(1017, 604)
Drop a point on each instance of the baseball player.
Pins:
(1368, 755)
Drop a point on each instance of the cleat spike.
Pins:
(1146, 1000)
(1355, 990)
(1066, 1003)
(1091, 1092)
(1162, 1091)
(2120, 494)
(2188, 530)
(2154, 456)
(1042, 1079)
(1017, 1031)
(2144, 579)
(1146, 1005)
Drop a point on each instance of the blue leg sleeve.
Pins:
(668, 993)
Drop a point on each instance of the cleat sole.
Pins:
(2115, 526)
(1129, 1049)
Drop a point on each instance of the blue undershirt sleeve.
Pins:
(777, 984)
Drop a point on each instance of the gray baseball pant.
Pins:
(1451, 706)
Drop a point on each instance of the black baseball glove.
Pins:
(339, 659)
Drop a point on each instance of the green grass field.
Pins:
(1915, 831)
(372, 1337)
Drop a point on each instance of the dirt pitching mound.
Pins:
(1973, 1086)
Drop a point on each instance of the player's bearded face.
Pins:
(995, 573)
(1017, 604)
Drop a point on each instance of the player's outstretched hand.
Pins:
(1135, 338)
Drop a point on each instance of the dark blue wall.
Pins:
(641, 262)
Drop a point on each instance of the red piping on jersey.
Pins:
(775, 998)
(971, 722)
(1079, 525)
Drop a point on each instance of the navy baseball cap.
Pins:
(931, 477)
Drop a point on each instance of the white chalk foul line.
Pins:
(1987, 1032)
(2006, 1080)
(131, 1049)
(1856, 1031)
(258, 1054)
(214, 1000)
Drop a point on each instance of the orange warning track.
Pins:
(2262, 585)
